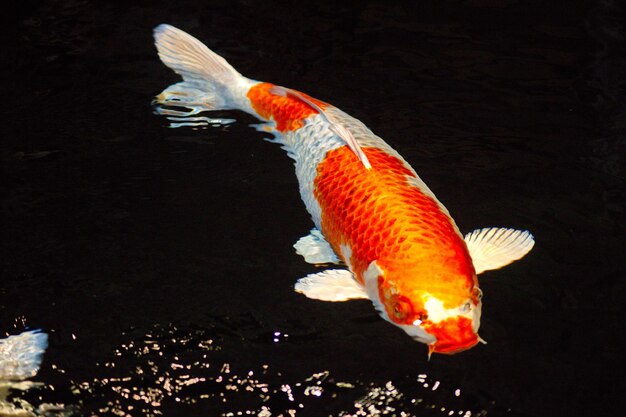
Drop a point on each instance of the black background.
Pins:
(119, 231)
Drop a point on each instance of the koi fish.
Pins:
(21, 355)
(371, 211)
(20, 359)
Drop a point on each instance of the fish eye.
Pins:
(399, 310)
(466, 307)
(402, 308)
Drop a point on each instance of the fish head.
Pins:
(447, 323)
(454, 329)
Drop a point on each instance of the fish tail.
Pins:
(209, 81)
(21, 355)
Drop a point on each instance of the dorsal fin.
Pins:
(493, 247)
(337, 128)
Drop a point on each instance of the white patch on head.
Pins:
(438, 313)
(435, 309)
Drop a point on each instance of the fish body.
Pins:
(370, 209)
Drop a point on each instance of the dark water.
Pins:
(160, 260)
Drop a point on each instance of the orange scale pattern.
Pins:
(288, 112)
(382, 217)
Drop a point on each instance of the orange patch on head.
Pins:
(384, 218)
(288, 112)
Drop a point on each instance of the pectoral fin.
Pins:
(331, 285)
(493, 248)
(315, 249)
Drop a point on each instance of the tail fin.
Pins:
(20, 356)
(210, 83)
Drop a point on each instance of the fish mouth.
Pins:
(453, 335)
(452, 347)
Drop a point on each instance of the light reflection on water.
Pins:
(173, 370)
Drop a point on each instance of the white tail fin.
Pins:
(210, 83)
(20, 356)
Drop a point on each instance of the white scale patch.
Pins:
(438, 313)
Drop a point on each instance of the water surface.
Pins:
(160, 260)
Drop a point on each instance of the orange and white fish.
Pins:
(370, 209)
